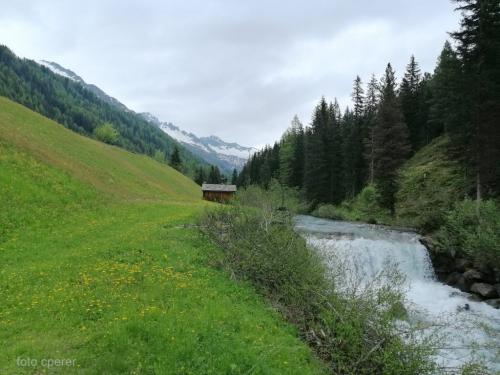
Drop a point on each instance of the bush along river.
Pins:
(468, 330)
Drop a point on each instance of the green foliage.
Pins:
(277, 197)
(390, 141)
(214, 176)
(471, 230)
(364, 207)
(429, 184)
(77, 108)
(175, 159)
(107, 133)
(353, 332)
(159, 156)
(101, 263)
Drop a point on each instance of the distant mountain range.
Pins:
(212, 149)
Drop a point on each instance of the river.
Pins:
(470, 330)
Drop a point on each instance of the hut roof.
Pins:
(218, 187)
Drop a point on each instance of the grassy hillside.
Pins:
(78, 108)
(428, 186)
(100, 264)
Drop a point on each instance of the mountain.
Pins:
(58, 69)
(212, 149)
(63, 96)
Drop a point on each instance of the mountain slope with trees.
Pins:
(83, 109)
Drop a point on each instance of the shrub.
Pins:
(472, 230)
(354, 332)
(106, 133)
(364, 207)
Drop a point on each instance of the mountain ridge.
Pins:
(226, 155)
(212, 149)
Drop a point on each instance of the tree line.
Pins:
(341, 152)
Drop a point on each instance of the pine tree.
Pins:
(334, 154)
(353, 125)
(234, 177)
(175, 159)
(290, 172)
(370, 107)
(214, 177)
(316, 172)
(447, 107)
(479, 51)
(391, 145)
(200, 176)
(410, 102)
(297, 177)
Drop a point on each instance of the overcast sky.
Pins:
(236, 69)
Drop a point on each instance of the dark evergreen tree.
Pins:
(391, 145)
(353, 161)
(479, 51)
(370, 113)
(234, 177)
(334, 155)
(175, 159)
(409, 95)
(317, 181)
(447, 107)
(214, 176)
(200, 176)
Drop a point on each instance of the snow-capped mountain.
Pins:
(58, 69)
(212, 149)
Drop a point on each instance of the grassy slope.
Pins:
(97, 264)
(428, 186)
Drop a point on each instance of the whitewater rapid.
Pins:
(470, 330)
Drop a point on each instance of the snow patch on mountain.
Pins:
(59, 70)
(212, 149)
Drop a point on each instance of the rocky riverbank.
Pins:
(481, 282)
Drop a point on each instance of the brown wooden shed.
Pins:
(218, 192)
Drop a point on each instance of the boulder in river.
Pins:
(484, 290)
(473, 275)
(461, 264)
(495, 303)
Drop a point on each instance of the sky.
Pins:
(236, 69)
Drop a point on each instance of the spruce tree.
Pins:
(175, 159)
(291, 155)
(370, 112)
(479, 51)
(317, 180)
(234, 177)
(200, 176)
(353, 125)
(334, 155)
(391, 145)
(447, 107)
(410, 99)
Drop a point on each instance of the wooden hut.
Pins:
(218, 192)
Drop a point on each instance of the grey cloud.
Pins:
(237, 69)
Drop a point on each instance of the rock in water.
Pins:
(485, 290)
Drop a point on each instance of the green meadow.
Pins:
(101, 265)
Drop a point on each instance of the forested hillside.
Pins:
(342, 152)
(423, 152)
(78, 108)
